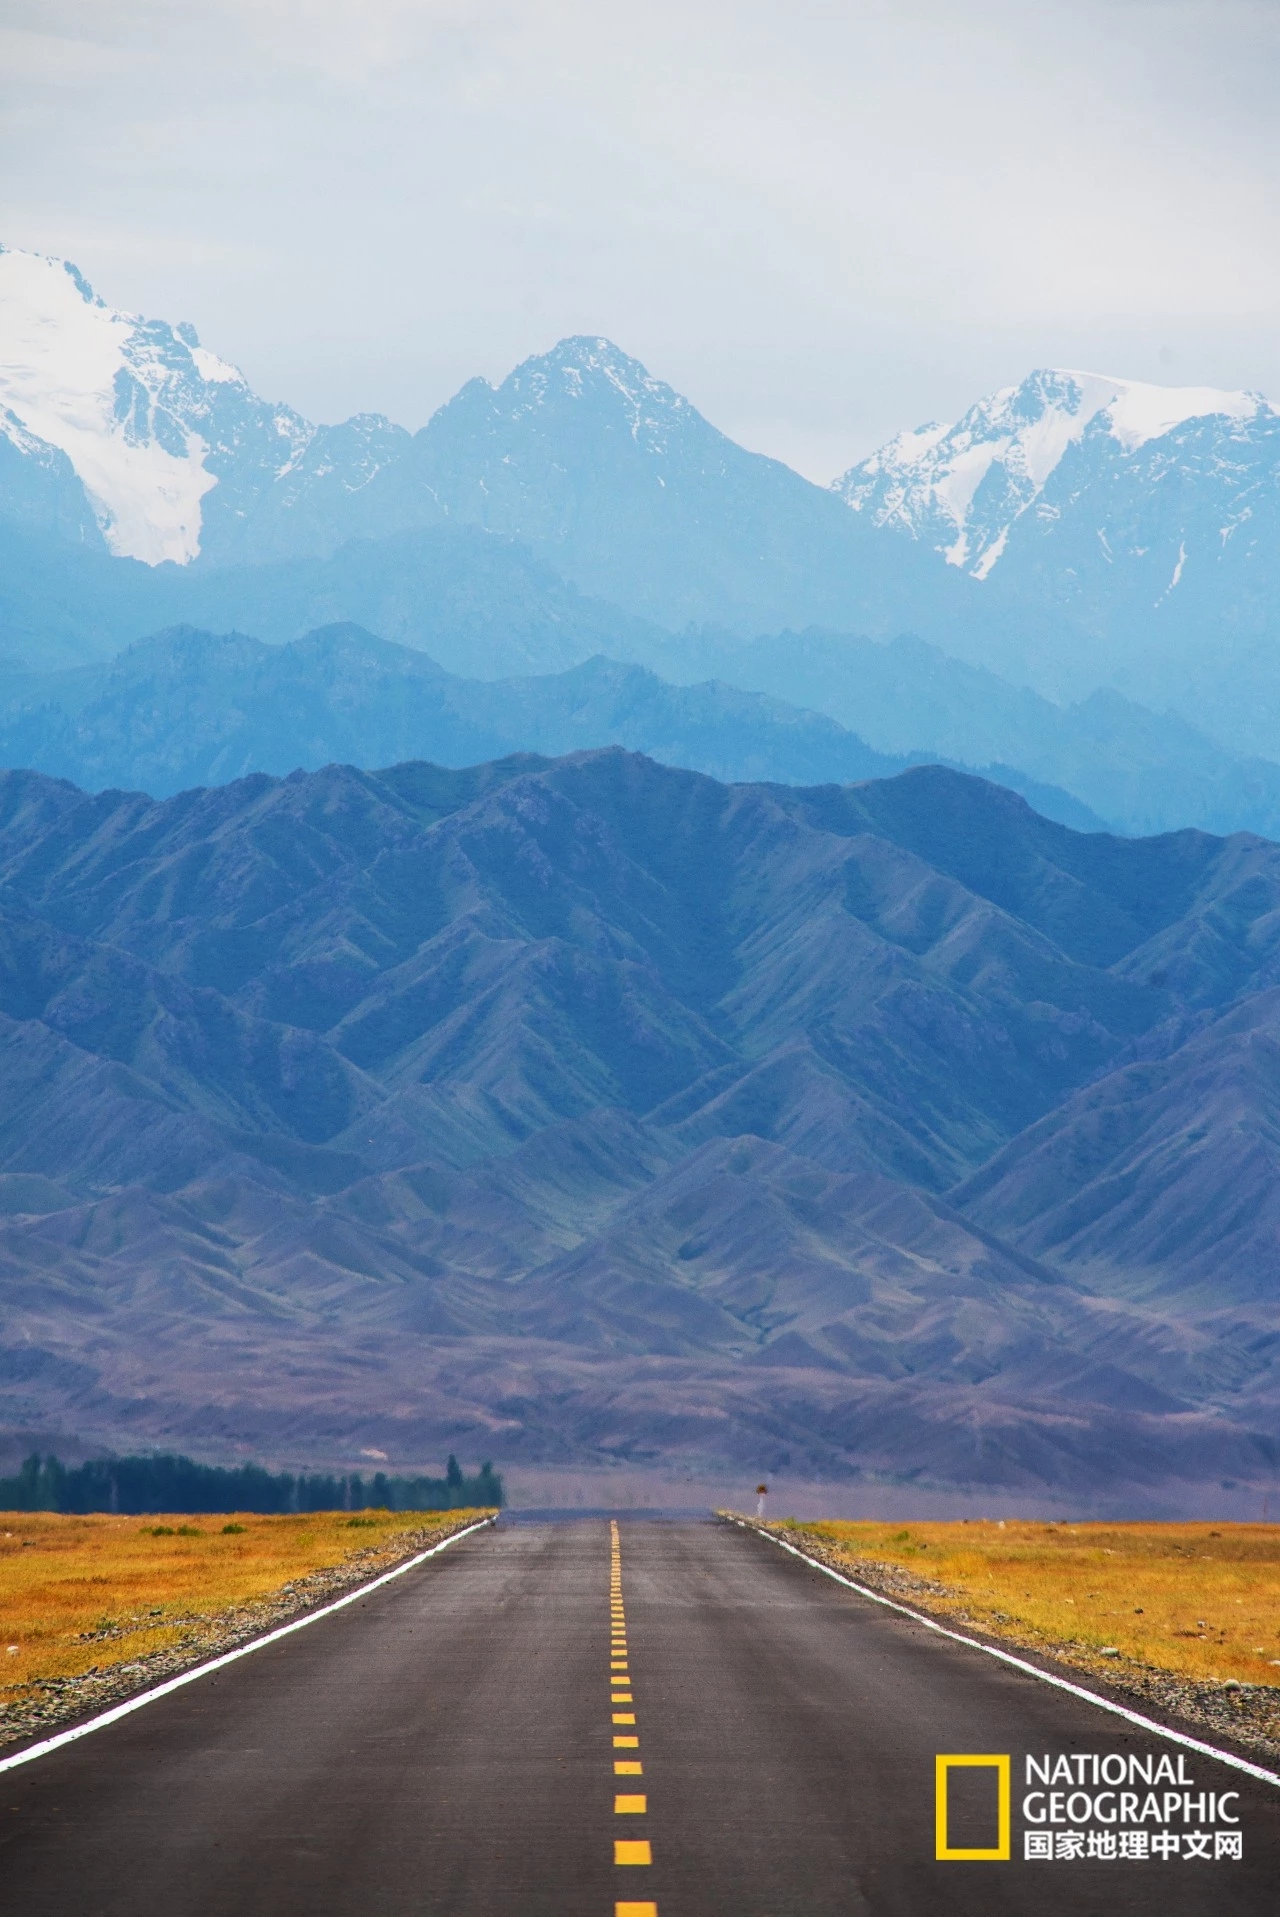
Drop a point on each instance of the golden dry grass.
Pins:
(1199, 1600)
(78, 1593)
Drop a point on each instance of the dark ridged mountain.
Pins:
(593, 1109)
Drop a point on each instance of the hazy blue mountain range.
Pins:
(597, 467)
(1072, 534)
(480, 604)
(190, 708)
(619, 483)
(1140, 770)
(582, 1108)
(612, 1112)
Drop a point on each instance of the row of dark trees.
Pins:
(150, 1484)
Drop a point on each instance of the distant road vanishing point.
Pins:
(628, 1719)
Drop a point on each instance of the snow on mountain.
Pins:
(1116, 516)
(964, 488)
(123, 398)
(175, 457)
(174, 452)
(128, 435)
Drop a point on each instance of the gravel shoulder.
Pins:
(52, 1703)
(1244, 1715)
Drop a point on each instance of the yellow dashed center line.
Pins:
(627, 1852)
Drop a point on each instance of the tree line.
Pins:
(138, 1485)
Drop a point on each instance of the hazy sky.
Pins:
(822, 220)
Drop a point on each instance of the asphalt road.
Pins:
(449, 1744)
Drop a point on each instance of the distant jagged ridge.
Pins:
(1073, 533)
(192, 708)
(599, 468)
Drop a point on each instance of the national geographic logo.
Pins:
(1103, 1806)
(999, 1769)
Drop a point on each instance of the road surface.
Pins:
(449, 1743)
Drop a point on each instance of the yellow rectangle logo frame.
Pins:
(1003, 1767)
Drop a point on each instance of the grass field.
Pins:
(1201, 1601)
(79, 1594)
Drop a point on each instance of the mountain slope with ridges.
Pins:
(610, 1112)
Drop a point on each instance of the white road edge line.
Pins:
(1020, 1663)
(118, 1711)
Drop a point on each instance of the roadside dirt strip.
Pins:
(1119, 1707)
(87, 1698)
(1167, 1662)
(777, 1745)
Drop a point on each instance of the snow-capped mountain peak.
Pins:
(964, 487)
(160, 436)
(130, 434)
(120, 397)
